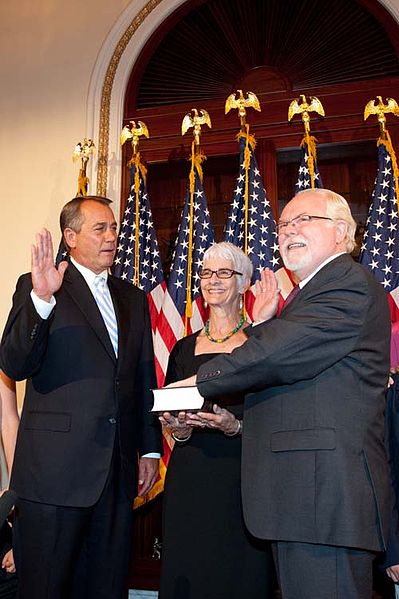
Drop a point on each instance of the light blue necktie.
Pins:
(106, 307)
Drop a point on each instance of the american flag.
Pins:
(380, 247)
(138, 261)
(308, 167)
(62, 252)
(182, 310)
(137, 258)
(250, 224)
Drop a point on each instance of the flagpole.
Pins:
(240, 103)
(381, 109)
(136, 161)
(189, 307)
(302, 107)
(193, 119)
(388, 143)
(310, 141)
(134, 133)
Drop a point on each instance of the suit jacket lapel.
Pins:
(77, 288)
(325, 274)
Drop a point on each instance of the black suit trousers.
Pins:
(73, 552)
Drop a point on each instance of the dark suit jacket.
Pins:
(78, 395)
(314, 464)
(391, 557)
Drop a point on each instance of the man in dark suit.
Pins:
(314, 467)
(85, 432)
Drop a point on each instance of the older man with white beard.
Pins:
(315, 471)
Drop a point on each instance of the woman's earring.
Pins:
(205, 304)
(241, 303)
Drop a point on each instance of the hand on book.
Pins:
(181, 424)
(176, 424)
(220, 419)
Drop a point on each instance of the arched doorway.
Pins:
(204, 50)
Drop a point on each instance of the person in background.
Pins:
(87, 443)
(315, 474)
(391, 558)
(9, 420)
(207, 552)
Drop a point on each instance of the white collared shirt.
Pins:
(305, 281)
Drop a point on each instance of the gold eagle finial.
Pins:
(381, 110)
(134, 133)
(241, 103)
(304, 108)
(83, 150)
(192, 119)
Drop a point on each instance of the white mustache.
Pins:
(287, 244)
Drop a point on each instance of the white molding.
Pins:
(392, 6)
(126, 63)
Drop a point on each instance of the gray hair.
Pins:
(239, 260)
(71, 216)
(337, 208)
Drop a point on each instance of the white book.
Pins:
(180, 399)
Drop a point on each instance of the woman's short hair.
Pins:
(337, 208)
(236, 256)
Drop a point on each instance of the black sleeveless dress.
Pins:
(207, 553)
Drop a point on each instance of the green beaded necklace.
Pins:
(222, 339)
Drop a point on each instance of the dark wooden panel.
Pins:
(144, 568)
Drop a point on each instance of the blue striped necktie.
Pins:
(106, 307)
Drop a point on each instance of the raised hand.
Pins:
(267, 296)
(46, 278)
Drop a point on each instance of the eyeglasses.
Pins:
(221, 273)
(300, 221)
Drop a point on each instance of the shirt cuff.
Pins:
(154, 455)
(255, 323)
(42, 307)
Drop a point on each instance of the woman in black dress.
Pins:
(207, 552)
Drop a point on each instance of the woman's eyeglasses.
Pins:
(221, 273)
